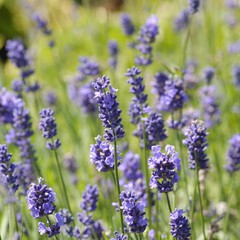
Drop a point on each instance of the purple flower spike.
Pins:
(90, 198)
(165, 166)
(127, 25)
(40, 199)
(179, 224)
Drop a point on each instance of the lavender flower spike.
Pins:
(127, 25)
(48, 127)
(197, 144)
(90, 198)
(194, 6)
(40, 199)
(108, 108)
(233, 155)
(179, 224)
(165, 166)
(133, 212)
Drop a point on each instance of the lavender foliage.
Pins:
(165, 166)
(233, 155)
(196, 143)
(180, 228)
(133, 211)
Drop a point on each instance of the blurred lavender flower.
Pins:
(165, 166)
(147, 36)
(194, 6)
(190, 79)
(16, 52)
(234, 47)
(40, 199)
(197, 144)
(133, 211)
(88, 67)
(211, 111)
(113, 52)
(8, 103)
(102, 155)
(108, 108)
(48, 127)
(50, 98)
(90, 198)
(67, 219)
(130, 167)
(127, 25)
(233, 155)
(151, 234)
(236, 75)
(17, 85)
(71, 165)
(42, 24)
(181, 22)
(53, 229)
(119, 236)
(159, 83)
(7, 170)
(208, 74)
(179, 224)
(174, 96)
(232, 4)
(138, 105)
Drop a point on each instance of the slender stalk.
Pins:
(201, 205)
(183, 165)
(186, 43)
(193, 209)
(11, 228)
(169, 204)
(61, 177)
(231, 190)
(117, 183)
(157, 223)
(51, 224)
(147, 177)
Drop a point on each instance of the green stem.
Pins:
(147, 177)
(169, 204)
(193, 209)
(61, 177)
(201, 205)
(157, 223)
(231, 190)
(183, 165)
(117, 181)
(186, 44)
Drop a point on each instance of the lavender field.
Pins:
(120, 119)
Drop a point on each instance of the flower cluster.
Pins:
(194, 6)
(80, 89)
(119, 236)
(197, 144)
(174, 96)
(211, 111)
(164, 174)
(133, 211)
(102, 155)
(159, 83)
(40, 199)
(127, 25)
(236, 75)
(48, 127)
(138, 105)
(113, 52)
(90, 198)
(233, 155)
(181, 22)
(108, 108)
(7, 169)
(208, 74)
(179, 224)
(67, 219)
(147, 36)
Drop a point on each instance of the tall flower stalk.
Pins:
(48, 127)
(110, 117)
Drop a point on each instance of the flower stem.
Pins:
(157, 222)
(169, 204)
(117, 182)
(193, 209)
(61, 178)
(201, 205)
(147, 177)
